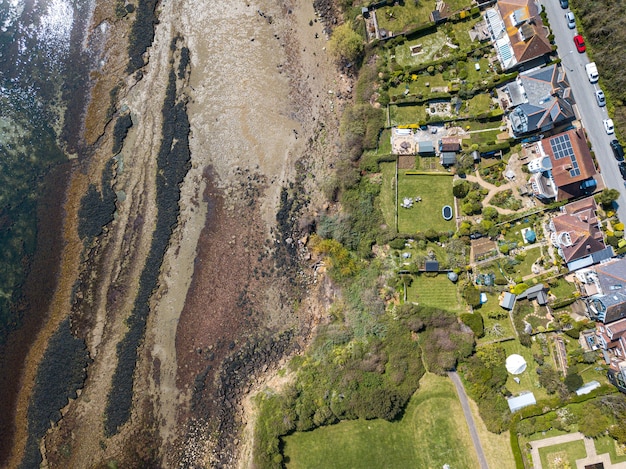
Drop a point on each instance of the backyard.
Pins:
(563, 455)
(529, 379)
(436, 291)
(435, 192)
(431, 433)
(497, 322)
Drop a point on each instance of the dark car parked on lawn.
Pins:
(618, 151)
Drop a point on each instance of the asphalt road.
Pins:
(460, 390)
(584, 94)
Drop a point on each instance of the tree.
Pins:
(607, 197)
(573, 381)
(471, 295)
(346, 45)
(460, 189)
(475, 322)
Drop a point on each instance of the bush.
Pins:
(460, 189)
(471, 295)
(475, 322)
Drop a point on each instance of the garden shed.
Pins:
(431, 266)
(448, 158)
(426, 147)
(508, 301)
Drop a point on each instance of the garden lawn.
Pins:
(433, 48)
(405, 115)
(436, 291)
(435, 191)
(495, 329)
(606, 444)
(399, 17)
(387, 197)
(478, 104)
(563, 289)
(567, 452)
(524, 267)
(529, 379)
(431, 433)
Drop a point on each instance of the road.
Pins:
(584, 94)
(460, 390)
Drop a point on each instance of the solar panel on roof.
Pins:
(562, 148)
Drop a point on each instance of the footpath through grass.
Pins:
(432, 433)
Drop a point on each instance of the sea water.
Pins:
(43, 73)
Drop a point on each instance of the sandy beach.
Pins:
(261, 98)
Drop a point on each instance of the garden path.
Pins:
(493, 190)
(460, 390)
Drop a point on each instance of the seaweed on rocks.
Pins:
(185, 59)
(120, 130)
(61, 373)
(173, 161)
(97, 208)
(141, 34)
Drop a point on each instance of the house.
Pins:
(523, 400)
(612, 341)
(536, 292)
(561, 167)
(577, 236)
(507, 301)
(517, 32)
(605, 288)
(448, 149)
(541, 99)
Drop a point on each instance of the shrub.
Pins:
(460, 189)
(475, 322)
(471, 295)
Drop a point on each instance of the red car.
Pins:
(580, 43)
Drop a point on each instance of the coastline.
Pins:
(252, 132)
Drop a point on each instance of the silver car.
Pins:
(571, 21)
(600, 98)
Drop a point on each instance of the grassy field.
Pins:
(524, 267)
(563, 289)
(435, 191)
(431, 433)
(568, 452)
(435, 291)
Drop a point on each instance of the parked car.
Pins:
(608, 126)
(580, 43)
(571, 21)
(622, 169)
(600, 98)
(564, 4)
(618, 151)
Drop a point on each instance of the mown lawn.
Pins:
(436, 291)
(404, 115)
(435, 191)
(525, 266)
(398, 18)
(566, 452)
(495, 328)
(529, 379)
(433, 45)
(431, 433)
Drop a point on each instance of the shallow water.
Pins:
(39, 52)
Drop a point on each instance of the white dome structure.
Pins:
(515, 364)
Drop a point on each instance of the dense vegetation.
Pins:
(173, 163)
(61, 372)
(603, 27)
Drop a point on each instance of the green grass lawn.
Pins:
(478, 104)
(606, 444)
(398, 18)
(495, 328)
(431, 433)
(435, 191)
(566, 452)
(404, 115)
(433, 48)
(435, 291)
(563, 289)
(387, 196)
(529, 379)
(482, 138)
(514, 234)
(524, 267)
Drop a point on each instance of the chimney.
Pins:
(588, 247)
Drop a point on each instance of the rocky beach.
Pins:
(214, 153)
